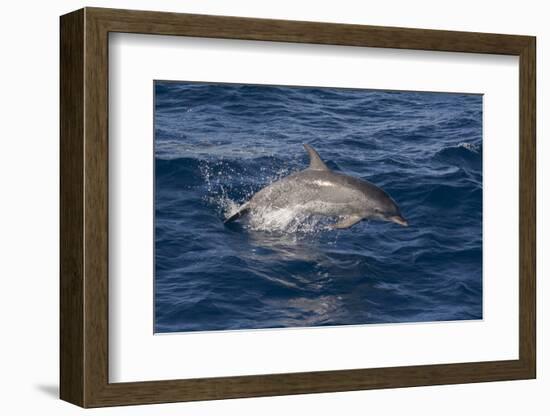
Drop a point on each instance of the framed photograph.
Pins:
(255, 207)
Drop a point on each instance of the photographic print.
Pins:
(292, 206)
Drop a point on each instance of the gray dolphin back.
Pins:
(319, 191)
(315, 163)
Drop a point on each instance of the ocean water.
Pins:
(217, 144)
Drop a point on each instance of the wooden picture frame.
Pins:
(84, 207)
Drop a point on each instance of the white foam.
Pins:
(469, 146)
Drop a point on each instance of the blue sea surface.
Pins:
(217, 144)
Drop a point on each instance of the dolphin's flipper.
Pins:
(347, 222)
(243, 209)
(315, 162)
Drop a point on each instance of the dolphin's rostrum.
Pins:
(318, 190)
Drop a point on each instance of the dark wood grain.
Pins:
(84, 207)
(162, 23)
(71, 185)
(527, 207)
(96, 208)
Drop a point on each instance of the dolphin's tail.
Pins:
(243, 209)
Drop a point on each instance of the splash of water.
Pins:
(286, 220)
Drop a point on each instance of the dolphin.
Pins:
(318, 190)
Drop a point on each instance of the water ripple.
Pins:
(215, 145)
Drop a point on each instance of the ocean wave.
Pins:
(216, 146)
(464, 154)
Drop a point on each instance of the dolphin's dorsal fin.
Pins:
(315, 162)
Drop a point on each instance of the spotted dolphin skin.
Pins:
(318, 190)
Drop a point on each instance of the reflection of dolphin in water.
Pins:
(319, 191)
